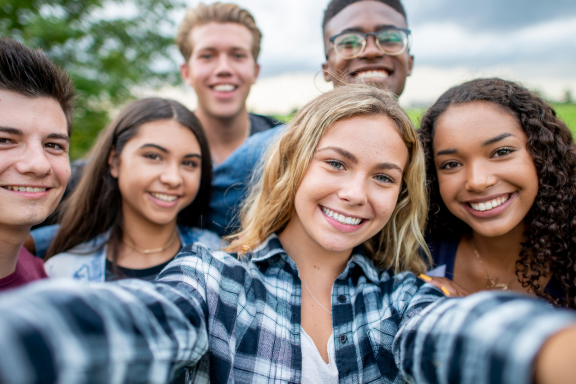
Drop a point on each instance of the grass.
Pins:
(566, 112)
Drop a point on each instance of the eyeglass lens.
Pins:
(391, 42)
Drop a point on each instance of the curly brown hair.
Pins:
(550, 236)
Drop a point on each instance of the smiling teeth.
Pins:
(24, 189)
(224, 87)
(490, 204)
(372, 74)
(341, 218)
(163, 197)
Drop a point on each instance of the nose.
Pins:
(353, 191)
(171, 176)
(479, 177)
(371, 51)
(223, 68)
(34, 161)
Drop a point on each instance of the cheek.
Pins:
(62, 171)
(448, 186)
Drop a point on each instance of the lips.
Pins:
(491, 206)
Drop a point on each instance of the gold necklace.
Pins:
(153, 250)
(490, 282)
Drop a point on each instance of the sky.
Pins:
(530, 41)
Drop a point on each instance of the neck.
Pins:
(146, 235)
(500, 251)
(224, 135)
(11, 240)
(315, 264)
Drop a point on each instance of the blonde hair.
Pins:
(218, 13)
(270, 203)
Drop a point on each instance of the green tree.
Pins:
(109, 47)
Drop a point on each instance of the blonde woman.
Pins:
(318, 289)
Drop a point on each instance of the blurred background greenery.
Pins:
(109, 47)
(114, 48)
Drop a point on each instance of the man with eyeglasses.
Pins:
(367, 41)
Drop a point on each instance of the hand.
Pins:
(555, 361)
(447, 286)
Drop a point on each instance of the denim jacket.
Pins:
(87, 261)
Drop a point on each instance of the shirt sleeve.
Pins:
(131, 331)
(485, 338)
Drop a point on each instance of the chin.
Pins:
(491, 230)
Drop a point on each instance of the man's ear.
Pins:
(410, 64)
(114, 163)
(185, 73)
(256, 71)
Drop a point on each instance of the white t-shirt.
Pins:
(314, 369)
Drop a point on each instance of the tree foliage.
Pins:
(109, 47)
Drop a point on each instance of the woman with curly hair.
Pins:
(501, 172)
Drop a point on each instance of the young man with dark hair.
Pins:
(35, 124)
(367, 41)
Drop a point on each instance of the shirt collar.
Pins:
(272, 247)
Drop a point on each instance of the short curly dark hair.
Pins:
(550, 236)
(335, 6)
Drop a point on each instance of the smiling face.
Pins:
(158, 172)
(221, 68)
(486, 176)
(34, 164)
(372, 66)
(352, 184)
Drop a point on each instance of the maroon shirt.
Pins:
(28, 268)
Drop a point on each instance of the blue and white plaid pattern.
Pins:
(238, 321)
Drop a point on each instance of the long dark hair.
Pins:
(550, 237)
(96, 205)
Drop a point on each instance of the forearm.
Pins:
(102, 333)
(484, 338)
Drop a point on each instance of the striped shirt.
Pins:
(230, 320)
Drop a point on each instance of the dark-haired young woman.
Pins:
(139, 199)
(501, 171)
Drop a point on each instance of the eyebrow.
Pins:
(497, 138)
(155, 146)
(18, 132)
(58, 136)
(447, 152)
(360, 29)
(342, 152)
(12, 131)
(354, 159)
(167, 151)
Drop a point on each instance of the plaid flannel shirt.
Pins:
(229, 320)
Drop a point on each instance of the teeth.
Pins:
(341, 218)
(224, 87)
(486, 206)
(372, 74)
(24, 189)
(163, 197)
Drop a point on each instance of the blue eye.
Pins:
(336, 164)
(384, 178)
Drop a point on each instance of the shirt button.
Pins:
(342, 299)
(342, 338)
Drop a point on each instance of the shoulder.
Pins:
(199, 262)
(260, 123)
(190, 235)
(85, 262)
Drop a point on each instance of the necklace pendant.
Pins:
(501, 286)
